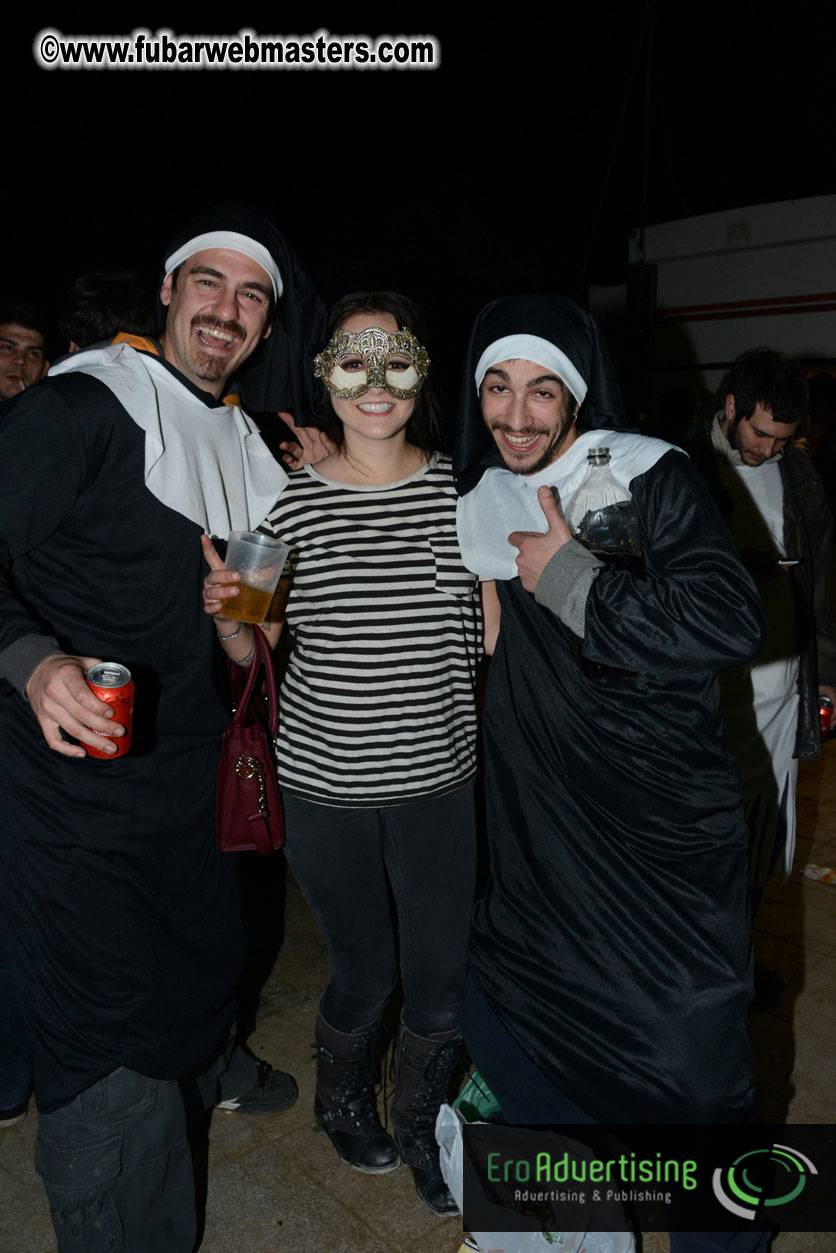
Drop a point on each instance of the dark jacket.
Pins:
(808, 537)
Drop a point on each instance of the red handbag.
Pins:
(249, 808)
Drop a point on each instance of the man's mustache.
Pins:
(519, 430)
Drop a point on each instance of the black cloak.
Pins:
(613, 938)
(121, 918)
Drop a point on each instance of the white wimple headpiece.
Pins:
(532, 348)
(237, 243)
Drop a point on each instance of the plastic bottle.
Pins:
(601, 515)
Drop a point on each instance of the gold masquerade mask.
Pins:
(355, 361)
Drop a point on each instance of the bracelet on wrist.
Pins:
(245, 661)
(234, 633)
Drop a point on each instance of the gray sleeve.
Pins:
(21, 657)
(564, 584)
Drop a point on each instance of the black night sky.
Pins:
(518, 165)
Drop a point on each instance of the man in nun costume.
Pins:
(610, 969)
(122, 918)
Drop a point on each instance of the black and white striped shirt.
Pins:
(377, 702)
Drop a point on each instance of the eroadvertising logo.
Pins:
(762, 1178)
(750, 1177)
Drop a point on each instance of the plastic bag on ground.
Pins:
(448, 1133)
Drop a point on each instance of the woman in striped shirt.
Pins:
(377, 743)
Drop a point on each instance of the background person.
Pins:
(776, 510)
(102, 303)
(23, 332)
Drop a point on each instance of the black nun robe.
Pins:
(121, 918)
(612, 942)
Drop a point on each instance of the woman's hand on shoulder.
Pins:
(310, 444)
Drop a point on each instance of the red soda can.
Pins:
(826, 715)
(113, 683)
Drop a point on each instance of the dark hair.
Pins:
(32, 317)
(768, 378)
(99, 305)
(426, 429)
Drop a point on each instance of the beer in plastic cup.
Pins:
(259, 560)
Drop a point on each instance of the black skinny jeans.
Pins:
(351, 864)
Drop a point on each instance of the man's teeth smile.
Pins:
(520, 442)
(211, 335)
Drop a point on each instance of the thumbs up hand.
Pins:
(536, 549)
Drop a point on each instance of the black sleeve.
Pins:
(42, 470)
(697, 609)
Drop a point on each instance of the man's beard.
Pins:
(551, 452)
(746, 455)
(212, 366)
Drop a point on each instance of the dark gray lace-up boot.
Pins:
(344, 1104)
(422, 1078)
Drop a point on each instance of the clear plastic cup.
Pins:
(259, 560)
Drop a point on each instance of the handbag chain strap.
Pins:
(246, 767)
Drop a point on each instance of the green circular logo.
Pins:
(762, 1178)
